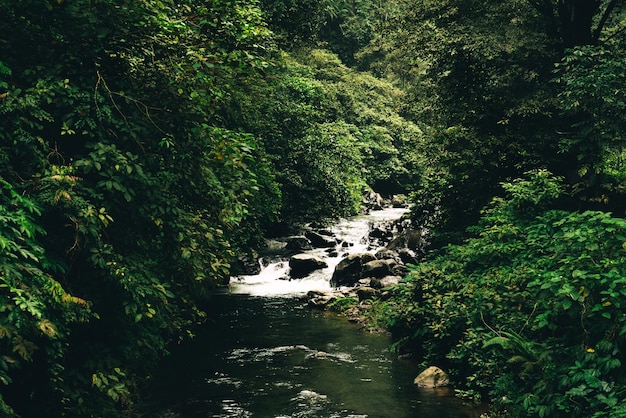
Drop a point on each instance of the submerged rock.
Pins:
(378, 268)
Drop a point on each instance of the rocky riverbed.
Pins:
(362, 259)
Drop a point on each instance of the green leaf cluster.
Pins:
(529, 312)
(123, 186)
(331, 132)
(37, 313)
(481, 75)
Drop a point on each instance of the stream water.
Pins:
(266, 354)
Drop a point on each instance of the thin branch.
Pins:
(617, 33)
(110, 93)
(488, 326)
(144, 108)
(529, 318)
(605, 17)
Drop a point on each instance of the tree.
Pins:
(114, 132)
(580, 22)
(333, 132)
(481, 75)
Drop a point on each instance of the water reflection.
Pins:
(267, 357)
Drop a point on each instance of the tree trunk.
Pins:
(576, 17)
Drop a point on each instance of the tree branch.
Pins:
(605, 17)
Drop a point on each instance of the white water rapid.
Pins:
(273, 280)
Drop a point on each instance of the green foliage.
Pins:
(151, 142)
(529, 313)
(341, 305)
(480, 75)
(484, 93)
(37, 313)
(341, 26)
(296, 22)
(593, 99)
(123, 188)
(333, 132)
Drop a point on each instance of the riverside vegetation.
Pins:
(145, 145)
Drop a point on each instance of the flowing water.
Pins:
(273, 278)
(266, 354)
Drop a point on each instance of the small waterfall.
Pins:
(267, 354)
(353, 236)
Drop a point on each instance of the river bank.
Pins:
(283, 344)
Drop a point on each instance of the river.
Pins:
(266, 354)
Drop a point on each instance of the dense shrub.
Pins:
(121, 188)
(529, 313)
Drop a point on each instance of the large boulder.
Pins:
(365, 293)
(349, 270)
(432, 377)
(406, 255)
(319, 240)
(304, 264)
(298, 244)
(390, 281)
(387, 254)
(373, 201)
(378, 268)
(399, 201)
(409, 238)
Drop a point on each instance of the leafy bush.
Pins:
(37, 312)
(529, 313)
(122, 188)
(341, 305)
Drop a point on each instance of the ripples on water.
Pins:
(265, 354)
(267, 357)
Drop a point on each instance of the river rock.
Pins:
(387, 254)
(380, 232)
(326, 232)
(373, 200)
(406, 255)
(375, 283)
(332, 252)
(319, 240)
(398, 201)
(249, 264)
(378, 268)
(303, 264)
(321, 302)
(273, 246)
(298, 244)
(348, 271)
(399, 270)
(432, 377)
(390, 281)
(365, 293)
(409, 238)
